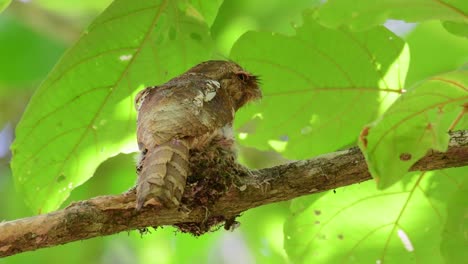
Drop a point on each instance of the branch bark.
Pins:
(111, 214)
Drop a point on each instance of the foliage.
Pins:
(4, 4)
(363, 14)
(373, 226)
(417, 122)
(331, 73)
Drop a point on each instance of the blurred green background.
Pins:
(33, 35)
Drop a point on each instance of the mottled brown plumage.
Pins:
(188, 112)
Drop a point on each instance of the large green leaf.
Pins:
(359, 224)
(320, 86)
(417, 122)
(363, 14)
(83, 112)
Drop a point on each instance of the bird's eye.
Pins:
(242, 76)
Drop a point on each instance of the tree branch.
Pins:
(111, 214)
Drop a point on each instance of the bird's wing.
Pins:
(180, 109)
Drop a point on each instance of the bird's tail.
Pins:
(163, 174)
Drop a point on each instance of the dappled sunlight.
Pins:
(275, 236)
(230, 34)
(361, 227)
(328, 70)
(278, 145)
(394, 79)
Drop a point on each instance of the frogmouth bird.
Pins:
(188, 112)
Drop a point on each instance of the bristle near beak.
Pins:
(256, 92)
(257, 78)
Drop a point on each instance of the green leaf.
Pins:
(454, 239)
(235, 17)
(417, 122)
(28, 54)
(364, 14)
(73, 8)
(265, 240)
(186, 248)
(4, 4)
(206, 9)
(359, 224)
(113, 177)
(460, 29)
(83, 113)
(444, 52)
(320, 86)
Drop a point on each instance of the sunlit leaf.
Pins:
(73, 7)
(444, 52)
(4, 4)
(83, 113)
(359, 224)
(364, 14)
(454, 239)
(167, 245)
(262, 228)
(207, 9)
(460, 29)
(417, 122)
(320, 87)
(190, 249)
(113, 176)
(235, 17)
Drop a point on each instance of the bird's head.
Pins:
(241, 85)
